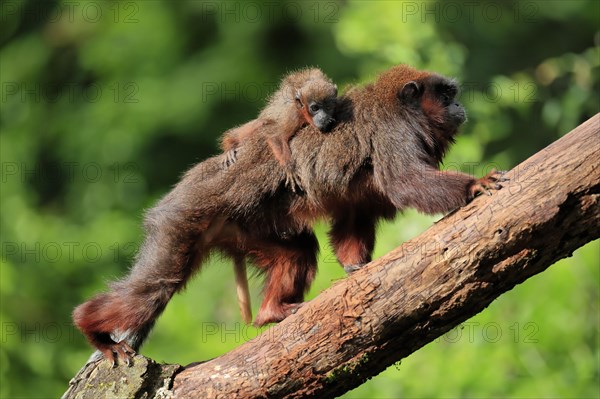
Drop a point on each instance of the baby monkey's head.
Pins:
(315, 97)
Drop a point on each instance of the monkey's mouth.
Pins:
(325, 124)
(460, 117)
(456, 116)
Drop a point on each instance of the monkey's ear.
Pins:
(298, 99)
(411, 92)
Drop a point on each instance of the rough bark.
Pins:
(407, 298)
(145, 379)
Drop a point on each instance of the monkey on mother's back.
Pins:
(304, 97)
(382, 156)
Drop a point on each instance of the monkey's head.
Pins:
(428, 96)
(316, 100)
(316, 97)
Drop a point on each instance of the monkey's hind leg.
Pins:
(234, 138)
(230, 158)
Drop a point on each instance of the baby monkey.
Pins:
(304, 97)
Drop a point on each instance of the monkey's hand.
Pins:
(349, 269)
(276, 313)
(292, 181)
(121, 350)
(230, 158)
(486, 184)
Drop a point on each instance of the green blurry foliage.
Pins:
(105, 104)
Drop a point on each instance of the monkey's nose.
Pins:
(329, 124)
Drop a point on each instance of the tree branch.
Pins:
(407, 298)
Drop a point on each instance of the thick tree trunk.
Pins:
(400, 302)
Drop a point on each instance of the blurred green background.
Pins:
(105, 104)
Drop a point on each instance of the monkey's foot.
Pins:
(487, 183)
(120, 351)
(292, 308)
(230, 158)
(276, 314)
(349, 269)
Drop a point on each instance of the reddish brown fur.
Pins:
(382, 156)
(234, 137)
(287, 111)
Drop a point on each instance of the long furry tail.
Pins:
(243, 293)
(120, 320)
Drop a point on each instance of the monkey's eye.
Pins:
(447, 94)
(314, 108)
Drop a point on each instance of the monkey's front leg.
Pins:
(281, 150)
(290, 266)
(431, 191)
(353, 239)
(485, 184)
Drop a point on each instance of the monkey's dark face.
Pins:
(317, 103)
(435, 96)
(322, 112)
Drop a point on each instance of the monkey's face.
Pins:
(435, 97)
(321, 113)
(317, 102)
